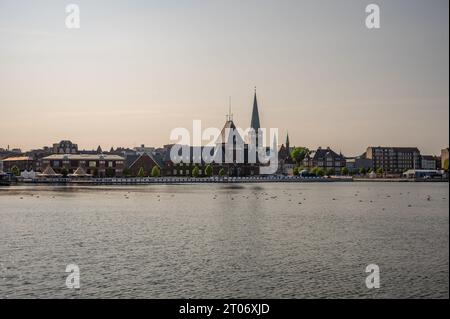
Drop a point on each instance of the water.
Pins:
(219, 241)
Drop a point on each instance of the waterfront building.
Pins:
(355, 164)
(430, 162)
(101, 165)
(145, 161)
(285, 163)
(23, 163)
(325, 158)
(394, 160)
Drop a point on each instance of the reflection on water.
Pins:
(219, 241)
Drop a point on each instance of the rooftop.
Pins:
(17, 158)
(86, 157)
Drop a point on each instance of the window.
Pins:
(92, 164)
(110, 164)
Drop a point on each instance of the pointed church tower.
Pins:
(255, 124)
(255, 115)
(287, 142)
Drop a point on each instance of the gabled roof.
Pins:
(150, 156)
(230, 135)
(130, 159)
(325, 152)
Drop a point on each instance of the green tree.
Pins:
(208, 170)
(314, 170)
(298, 154)
(362, 171)
(345, 171)
(380, 171)
(15, 170)
(330, 171)
(141, 172)
(320, 172)
(222, 172)
(156, 172)
(446, 165)
(195, 171)
(64, 172)
(296, 172)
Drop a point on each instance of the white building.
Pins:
(429, 162)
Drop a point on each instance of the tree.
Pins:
(15, 170)
(208, 170)
(222, 172)
(156, 172)
(314, 170)
(330, 171)
(362, 171)
(296, 172)
(446, 165)
(298, 154)
(110, 172)
(380, 171)
(195, 171)
(345, 171)
(141, 172)
(320, 172)
(64, 172)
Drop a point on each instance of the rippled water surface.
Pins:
(218, 241)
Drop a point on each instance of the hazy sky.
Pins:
(137, 69)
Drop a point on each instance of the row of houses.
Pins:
(391, 160)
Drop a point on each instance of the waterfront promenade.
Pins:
(214, 179)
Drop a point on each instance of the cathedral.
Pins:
(243, 156)
(236, 155)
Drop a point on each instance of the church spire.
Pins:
(255, 115)
(287, 141)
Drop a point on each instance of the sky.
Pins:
(135, 70)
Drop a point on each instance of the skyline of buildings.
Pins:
(66, 157)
